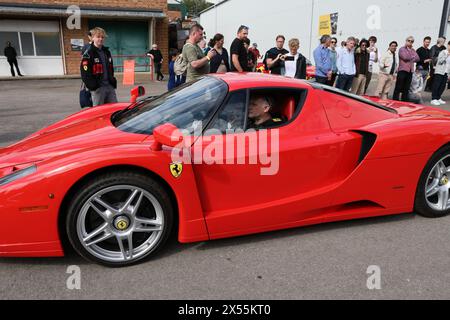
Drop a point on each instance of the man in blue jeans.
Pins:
(346, 65)
(322, 57)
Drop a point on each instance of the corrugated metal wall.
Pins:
(387, 19)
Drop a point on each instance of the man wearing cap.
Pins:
(157, 58)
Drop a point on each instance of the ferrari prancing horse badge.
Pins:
(176, 169)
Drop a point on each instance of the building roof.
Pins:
(214, 6)
(62, 11)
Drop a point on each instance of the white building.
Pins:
(386, 19)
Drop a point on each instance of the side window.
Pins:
(232, 115)
(274, 108)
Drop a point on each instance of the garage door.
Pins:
(126, 38)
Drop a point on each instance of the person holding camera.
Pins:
(275, 57)
(197, 62)
(295, 62)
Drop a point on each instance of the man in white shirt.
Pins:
(346, 65)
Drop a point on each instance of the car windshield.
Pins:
(187, 107)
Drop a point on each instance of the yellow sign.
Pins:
(325, 25)
(176, 169)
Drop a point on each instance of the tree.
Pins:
(194, 7)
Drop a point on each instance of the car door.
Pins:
(263, 180)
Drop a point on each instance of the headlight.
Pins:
(18, 175)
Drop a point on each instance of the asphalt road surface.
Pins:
(320, 262)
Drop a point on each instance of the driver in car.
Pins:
(260, 115)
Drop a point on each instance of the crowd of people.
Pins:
(348, 67)
(199, 58)
(410, 72)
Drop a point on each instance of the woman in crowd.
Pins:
(374, 58)
(220, 63)
(294, 61)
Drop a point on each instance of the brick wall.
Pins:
(73, 57)
(151, 4)
(162, 39)
(174, 15)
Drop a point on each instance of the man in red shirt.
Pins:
(256, 54)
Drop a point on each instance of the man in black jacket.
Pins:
(434, 53)
(11, 55)
(157, 57)
(424, 53)
(97, 70)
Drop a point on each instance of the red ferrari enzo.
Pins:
(105, 179)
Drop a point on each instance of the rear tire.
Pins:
(119, 219)
(433, 192)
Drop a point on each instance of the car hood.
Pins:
(86, 130)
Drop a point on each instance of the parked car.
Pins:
(109, 181)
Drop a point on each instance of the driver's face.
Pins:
(257, 108)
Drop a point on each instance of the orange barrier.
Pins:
(128, 72)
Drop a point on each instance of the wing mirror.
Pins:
(166, 135)
(137, 92)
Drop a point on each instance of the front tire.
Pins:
(119, 219)
(433, 192)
